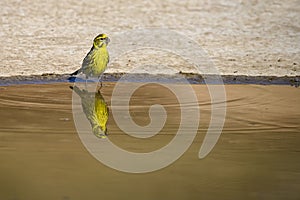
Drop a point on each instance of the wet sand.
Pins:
(256, 157)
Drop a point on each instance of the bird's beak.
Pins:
(107, 40)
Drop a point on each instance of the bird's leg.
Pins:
(100, 80)
(86, 79)
(99, 87)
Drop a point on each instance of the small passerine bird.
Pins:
(95, 62)
(95, 110)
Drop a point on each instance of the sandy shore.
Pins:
(159, 78)
(241, 37)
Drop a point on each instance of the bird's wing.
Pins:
(87, 60)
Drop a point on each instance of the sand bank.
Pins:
(255, 38)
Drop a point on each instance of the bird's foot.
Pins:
(100, 87)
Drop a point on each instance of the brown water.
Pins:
(256, 157)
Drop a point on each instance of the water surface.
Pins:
(256, 157)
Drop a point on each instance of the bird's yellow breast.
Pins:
(100, 59)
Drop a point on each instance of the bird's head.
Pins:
(101, 40)
(100, 132)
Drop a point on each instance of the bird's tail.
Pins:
(75, 73)
(77, 90)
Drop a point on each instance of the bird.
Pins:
(95, 110)
(96, 60)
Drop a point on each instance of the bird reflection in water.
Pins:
(95, 110)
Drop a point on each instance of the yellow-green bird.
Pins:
(95, 62)
(95, 110)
